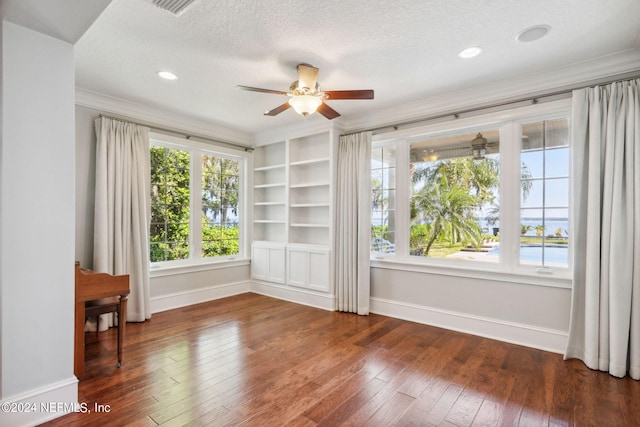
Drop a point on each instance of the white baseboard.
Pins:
(197, 296)
(515, 333)
(292, 294)
(40, 405)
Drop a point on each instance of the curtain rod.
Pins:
(531, 99)
(183, 134)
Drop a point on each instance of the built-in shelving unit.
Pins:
(310, 189)
(292, 207)
(270, 193)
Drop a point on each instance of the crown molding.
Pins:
(583, 73)
(162, 118)
(296, 131)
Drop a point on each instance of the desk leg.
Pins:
(122, 321)
(78, 359)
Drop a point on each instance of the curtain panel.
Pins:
(353, 223)
(122, 209)
(604, 330)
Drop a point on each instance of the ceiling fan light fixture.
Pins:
(305, 104)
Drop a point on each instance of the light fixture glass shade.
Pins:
(305, 104)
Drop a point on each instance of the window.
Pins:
(493, 196)
(544, 207)
(454, 196)
(383, 199)
(195, 204)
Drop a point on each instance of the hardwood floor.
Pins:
(256, 361)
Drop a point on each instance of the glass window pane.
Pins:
(383, 199)
(532, 191)
(455, 197)
(556, 162)
(557, 192)
(544, 210)
(532, 166)
(556, 133)
(169, 231)
(220, 215)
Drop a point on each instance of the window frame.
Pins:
(195, 261)
(508, 268)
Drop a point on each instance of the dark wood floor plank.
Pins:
(253, 360)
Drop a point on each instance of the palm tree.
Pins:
(449, 210)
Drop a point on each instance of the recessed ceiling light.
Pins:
(470, 52)
(167, 75)
(533, 33)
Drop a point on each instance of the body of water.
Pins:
(552, 254)
(550, 226)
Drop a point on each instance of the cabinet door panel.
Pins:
(319, 270)
(297, 267)
(259, 262)
(276, 265)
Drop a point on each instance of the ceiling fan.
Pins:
(306, 97)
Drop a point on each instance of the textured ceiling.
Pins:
(406, 50)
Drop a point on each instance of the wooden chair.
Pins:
(96, 308)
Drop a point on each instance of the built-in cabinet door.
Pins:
(308, 268)
(267, 263)
(276, 265)
(318, 270)
(259, 262)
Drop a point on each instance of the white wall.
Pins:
(37, 213)
(524, 313)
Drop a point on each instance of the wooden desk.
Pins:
(92, 286)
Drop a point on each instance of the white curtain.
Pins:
(122, 209)
(604, 330)
(353, 223)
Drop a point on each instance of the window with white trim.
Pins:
(492, 196)
(196, 198)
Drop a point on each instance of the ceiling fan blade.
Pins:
(349, 94)
(278, 110)
(327, 111)
(257, 89)
(307, 76)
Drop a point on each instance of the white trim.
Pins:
(581, 73)
(516, 333)
(296, 295)
(447, 269)
(62, 394)
(197, 296)
(159, 270)
(297, 130)
(168, 119)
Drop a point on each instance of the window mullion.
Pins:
(195, 225)
(403, 187)
(510, 173)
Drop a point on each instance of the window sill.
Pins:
(170, 270)
(539, 277)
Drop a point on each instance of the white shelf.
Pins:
(311, 184)
(310, 225)
(269, 204)
(310, 205)
(310, 161)
(278, 184)
(268, 221)
(268, 168)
